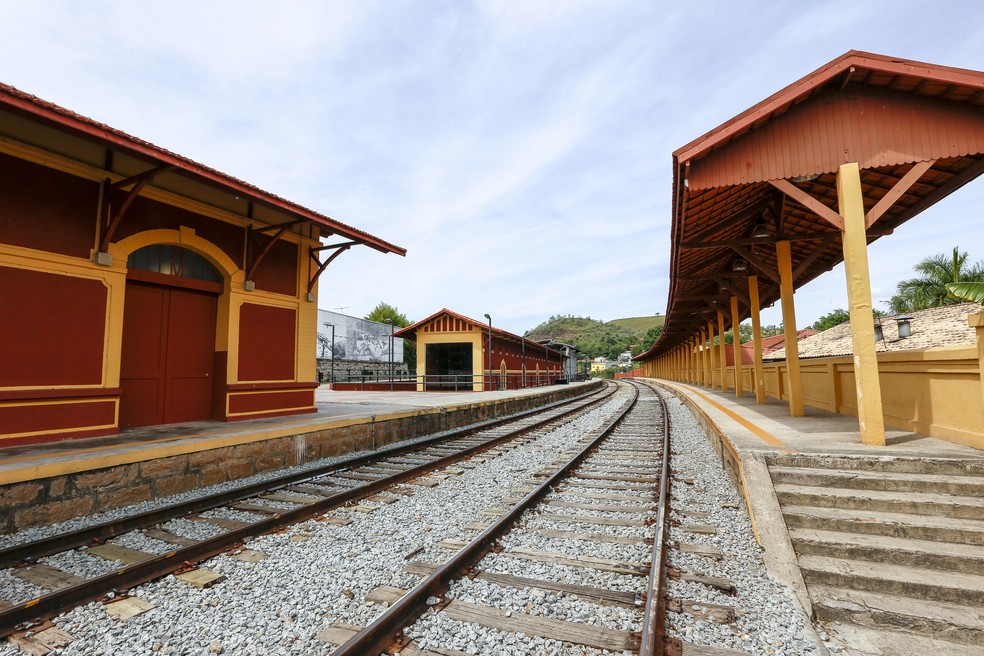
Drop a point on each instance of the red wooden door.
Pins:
(167, 355)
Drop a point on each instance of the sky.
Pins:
(520, 151)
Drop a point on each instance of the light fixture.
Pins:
(905, 327)
(806, 178)
(761, 230)
(739, 265)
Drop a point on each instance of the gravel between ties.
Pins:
(316, 573)
(769, 621)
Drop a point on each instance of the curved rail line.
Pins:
(21, 616)
(386, 631)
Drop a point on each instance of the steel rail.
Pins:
(30, 551)
(654, 619)
(15, 617)
(387, 629)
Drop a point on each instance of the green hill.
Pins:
(594, 338)
(639, 325)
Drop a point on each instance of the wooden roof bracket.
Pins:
(110, 225)
(313, 254)
(249, 284)
(809, 202)
(896, 192)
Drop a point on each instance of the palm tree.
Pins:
(930, 290)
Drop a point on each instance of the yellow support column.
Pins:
(753, 298)
(711, 353)
(736, 347)
(695, 355)
(851, 206)
(722, 353)
(784, 254)
(704, 359)
(699, 358)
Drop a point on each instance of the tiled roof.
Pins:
(942, 327)
(83, 126)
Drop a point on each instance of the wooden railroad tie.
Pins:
(598, 595)
(531, 625)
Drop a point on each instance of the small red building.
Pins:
(138, 287)
(453, 354)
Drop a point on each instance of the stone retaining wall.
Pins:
(55, 499)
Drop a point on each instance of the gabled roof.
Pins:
(411, 330)
(916, 129)
(83, 130)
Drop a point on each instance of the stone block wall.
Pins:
(54, 499)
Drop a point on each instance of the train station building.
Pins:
(795, 185)
(143, 288)
(455, 352)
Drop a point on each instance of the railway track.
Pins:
(607, 495)
(229, 518)
(539, 544)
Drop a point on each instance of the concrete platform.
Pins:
(768, 428)
(50, 482)
(334, 409)
(926, 478)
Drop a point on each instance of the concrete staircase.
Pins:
(892, 548)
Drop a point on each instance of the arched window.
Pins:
(173, 261)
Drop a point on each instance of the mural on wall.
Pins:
(356, 339)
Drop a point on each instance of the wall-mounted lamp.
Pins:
(761, 230)
(905, 327)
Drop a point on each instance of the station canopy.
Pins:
(769, 174)
(97, 149)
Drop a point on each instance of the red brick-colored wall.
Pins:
(266, 342)
(46, 209)
(51, 329)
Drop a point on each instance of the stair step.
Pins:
(914, 582)
(868, 464)
(928, 554)
(945, 621)
(886, 481)
(916, 503)
(858, 640)
(920, 527)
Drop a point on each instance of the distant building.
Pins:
(940, 327)
(359, 345)
(453, 354)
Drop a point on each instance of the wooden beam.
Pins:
(259, 258)
(756, 262)
(814, 254)
(278, 226)
(324, 265)
(944, 190)
(809, 202)
(333, 246)
(136, 179)
(892, 195)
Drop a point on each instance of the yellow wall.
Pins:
(934, 392)
(472, 336)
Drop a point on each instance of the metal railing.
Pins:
(457, 382)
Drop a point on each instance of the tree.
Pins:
(831, 319)
(383, 312)
(929, 290)
(648, 340)
(967, 291)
